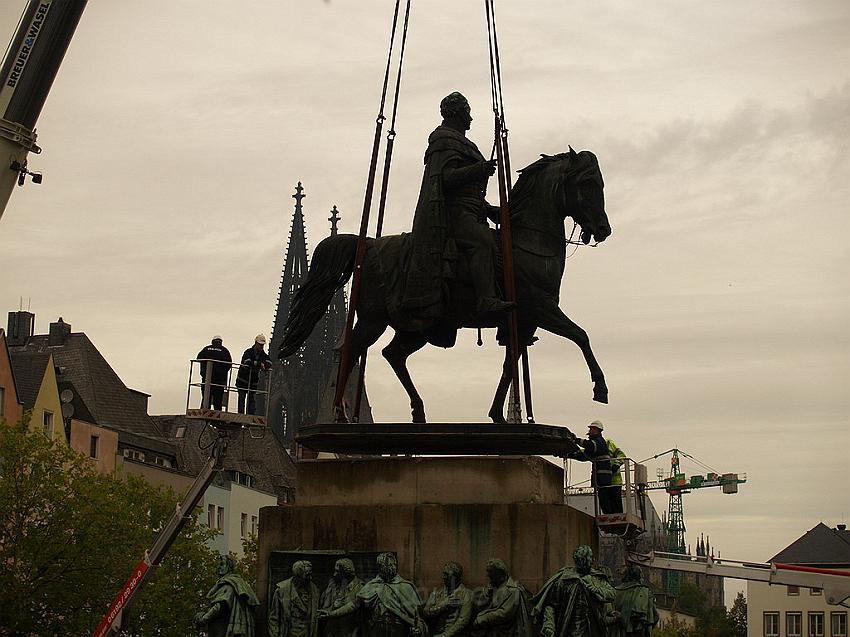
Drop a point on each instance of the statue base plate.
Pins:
(439, 439)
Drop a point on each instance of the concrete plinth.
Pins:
(429, 511)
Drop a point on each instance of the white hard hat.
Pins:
(260, 339)
(217, 337)
(597, 424)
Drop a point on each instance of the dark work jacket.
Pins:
(596, 450)
(249, 373)
(219, 370)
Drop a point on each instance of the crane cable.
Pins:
(683, 453)
(345, 353)
(500, 146)
(382, 201)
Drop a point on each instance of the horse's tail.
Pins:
(330, 269)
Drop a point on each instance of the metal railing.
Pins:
(631, 494)
(223, 395)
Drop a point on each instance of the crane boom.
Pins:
(834, 583)
(728, 482)
(183, 512)
(26, 75)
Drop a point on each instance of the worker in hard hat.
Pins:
(594, 449)
(618, 458)
(217, 380)
(254, 361)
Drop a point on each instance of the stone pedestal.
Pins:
(431, 510)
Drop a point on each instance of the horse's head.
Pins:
(584, 194)
(572, 183)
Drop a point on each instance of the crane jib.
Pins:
(127, 591)
(27, 44)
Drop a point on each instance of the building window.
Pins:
(771, 624)
(211, 516)
(794, 624)
(815, 624)
(243, 478)
(793, 590)
(219, 519)
(254, 525)
(162, 462)
(47, 423)
(134, 454)
(838, 624)
(181, 432)
(815, 591)
(94, 448)
(243, 526)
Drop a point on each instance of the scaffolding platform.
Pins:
(216, 405)
(439, 439)
(215, 415)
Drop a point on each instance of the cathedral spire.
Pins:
(294, 269)
(334, 219)
(298, 383)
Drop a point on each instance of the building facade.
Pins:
(256, 471)
(11, 408)
(793, 611)
(75, 396)
(233, 510)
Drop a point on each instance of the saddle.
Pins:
(389, 257)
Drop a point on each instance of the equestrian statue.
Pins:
(444, 275)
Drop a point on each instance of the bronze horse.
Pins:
(545, 194)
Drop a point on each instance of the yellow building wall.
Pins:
(47, 402)
(10, 409)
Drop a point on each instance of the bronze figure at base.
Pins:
(573, 602)
(388, 605)
(232, 605)
(448, 610)
(294, 607)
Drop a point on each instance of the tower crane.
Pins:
(676, 485)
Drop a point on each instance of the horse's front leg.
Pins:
(497, 409)
(396, 352)
(363, 336)
(552, 319)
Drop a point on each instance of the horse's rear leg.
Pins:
(552, 319)
(403, 345)
(363, 336)
(497, 409)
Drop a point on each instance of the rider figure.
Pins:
(451, 205)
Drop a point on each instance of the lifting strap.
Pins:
(503, 159)
(382, 201)
(345, 354)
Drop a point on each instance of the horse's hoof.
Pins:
(418, 417)
(600, 396)
(497, 417)
(340, 416)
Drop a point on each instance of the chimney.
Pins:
(59, 331)
(841, 527)
(21, 326)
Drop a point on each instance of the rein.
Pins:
(579, 243)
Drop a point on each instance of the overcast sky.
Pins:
(176, 132)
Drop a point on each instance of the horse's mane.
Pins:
(527, 185)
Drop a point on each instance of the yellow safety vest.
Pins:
(616, 453)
